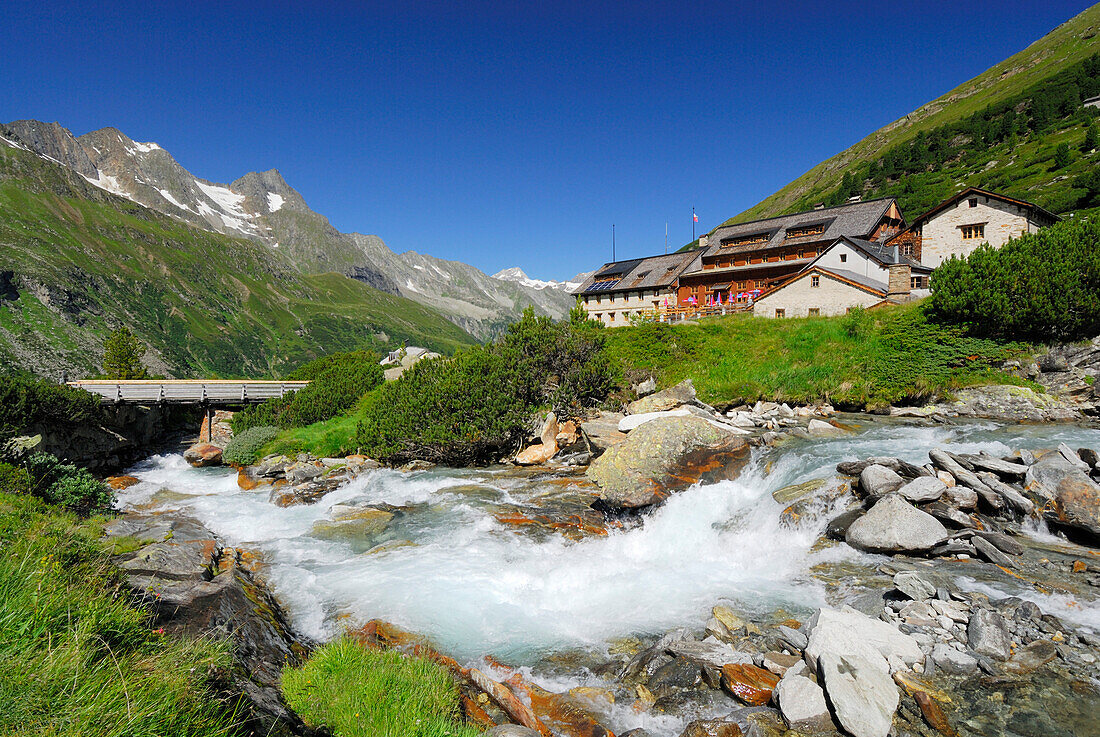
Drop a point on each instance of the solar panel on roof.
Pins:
(603, 284)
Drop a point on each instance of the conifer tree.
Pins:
(122, 354)
(1092, 138)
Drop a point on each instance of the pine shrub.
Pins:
(28, 404)
(244, 449)
(1043, 287)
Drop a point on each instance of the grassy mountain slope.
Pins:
(86, 261)
(1067, 45)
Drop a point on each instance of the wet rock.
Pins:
(729, 618)
(933, 715)
(989, 552)
(353, 523)
(1032, 657)
(914, 586)
(1014, 499)
(603, 431)
(598, 699)
(511, 730)
(923, 489)
(537, 454)
(666, 399)
(666, 455)
(1075, 496)
(307, 493)
(203, 454)
(950, 660)
(801, 701)
(792, 637)
(987, 634)
(708, 652)
(821, 429)
(780, 663)
(678, 673)
(794, 492)
(894, 525)
(848, 632)
(877, 481)
(1002, 542)
(749, 683)
(863, 696)
(119, 483)
(712, 728)
(838, 526)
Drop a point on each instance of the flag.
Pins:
(694, 217)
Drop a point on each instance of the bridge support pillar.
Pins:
(206, 432)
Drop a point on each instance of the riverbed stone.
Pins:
(877, 481)
(749, 683)
(863, 695)
(536, 454)
(511, 730)
(913, 585)
(1032, 657)
(801, 701)
(1075, 496)
(708, 652)
(203, 454)
(895, 525)
(821, 429)
(849, 632)
(666, 399)
(663, 456)
(987, 634)
(602, 431)
(960, 496)
(950, 660)
(923, 489)
(633, 422)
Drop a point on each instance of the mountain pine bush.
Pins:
(244, 449)
(27, 404)
(1043, 287)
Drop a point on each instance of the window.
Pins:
(611, 317)
(586, 299)
(815, 281)
(973, 201)
(780, 313)
(918, 282)
(814, 312)
(747, 240)
(612, 300)
(806, 230)
(843, 258)
(972, 232)
(742, 284)
(599, 316)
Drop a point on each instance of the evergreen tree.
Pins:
(1061, 156)
(1092, 138)
(122, 354)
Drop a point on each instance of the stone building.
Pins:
(821, 292)
(958, 225)
(620, 290)
(749, 258)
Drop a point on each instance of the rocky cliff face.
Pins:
(261, 206)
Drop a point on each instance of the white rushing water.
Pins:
(477, 587)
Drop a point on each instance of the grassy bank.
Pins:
(76, 658)
(864, 359)
(356, 692)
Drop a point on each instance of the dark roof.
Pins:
(881, 252)
(857, 219)
(640, 273)
(1041, 214)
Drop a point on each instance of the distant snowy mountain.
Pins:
(517, 275)
(261, 206)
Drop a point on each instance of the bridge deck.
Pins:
(188, 391)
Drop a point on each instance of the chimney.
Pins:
(704, 241)
(855, 198)
(900, 284)
(819, 206)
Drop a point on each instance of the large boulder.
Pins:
(801, 701)
(894, 525)
(666, 399)
(863, 696)
(663, 456)
(848, 632)
(203, 454)
(603, 431)
(1073, 498)
(876, 480)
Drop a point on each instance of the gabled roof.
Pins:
(1037, 212)
(882, 252)
(653, 272)
(856, 219)
(859, 281)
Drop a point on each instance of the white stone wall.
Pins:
(855, 261)
(832, 297)
(614, 310)
(941, 236)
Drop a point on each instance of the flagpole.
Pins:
(693, 224)
(666, 237)
(612, 241)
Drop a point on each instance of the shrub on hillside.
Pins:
(1042, 287)
(244, 449)
(474, 407)
(53, 481)
(26, 404)
(336, 383)
(14, 479)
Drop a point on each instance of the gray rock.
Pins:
(987, 551)
(1070, 455)
(1002, 542)
(793, 637)
(800, 700)
(848, 632)
(923, 489)
(645, 388)
(961, 497)
(950, 660)
(603, 431)
(863, 696)
(666, 399)
(1089, 456)
(1075, 496)
(895, 525)
(1014, 499)
(877, 481)
(511, 730)
(709, 651)
(914, 586)
(821, 429)
(303, 472)
(987, 634)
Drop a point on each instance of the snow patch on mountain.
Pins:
(168, 196)
(146, 147)
(274, 201)
(517, 275)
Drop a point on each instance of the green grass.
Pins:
(1064, 46)
(865, 359)
(205, 303)
(328, 439)
(357, 692)
(76, 658)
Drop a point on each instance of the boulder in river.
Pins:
(876, 480)
(603, 431)
(848, 632)
(666, 399)
(663, 456)
(1074, 497)
(987, 634)
(801, 701)
(863, 696)
(203, 454)
(894, 525)
(923, 489)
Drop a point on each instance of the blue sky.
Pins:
(498, 134)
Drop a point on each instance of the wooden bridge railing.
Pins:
(184, 391)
